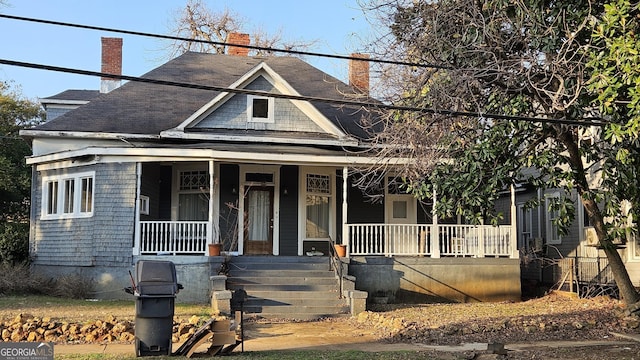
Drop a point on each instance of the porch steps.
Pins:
(287, 287)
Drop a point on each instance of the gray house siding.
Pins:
(289, 210)
(99, 247)
(233, 114)
(105, 238)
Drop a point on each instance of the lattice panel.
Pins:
(318, 184)
(194, 180)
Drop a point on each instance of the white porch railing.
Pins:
(173, 237)
(417, 240)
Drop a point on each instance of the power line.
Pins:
(253, 47)
(368, 104)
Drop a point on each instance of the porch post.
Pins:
(345, 208)
(136, 225)
(210, 235)
(434, 237)
(514, 228)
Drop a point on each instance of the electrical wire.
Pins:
(580, 122)
(253, 47)
(367, 104)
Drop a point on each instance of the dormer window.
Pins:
(259, 109)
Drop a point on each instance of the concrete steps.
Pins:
(291, 287)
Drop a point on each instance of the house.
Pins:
(572, 262)
(236, 156)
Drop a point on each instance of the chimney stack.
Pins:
(239, 39)
(111, 63)
(359, 72)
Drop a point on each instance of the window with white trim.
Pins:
(553, 234)
(318, 203)
(144, 205)
(68, 196)
(260, 109)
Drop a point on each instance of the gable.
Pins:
(157, 111)
(233, 113)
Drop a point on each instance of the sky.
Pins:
(337, 27)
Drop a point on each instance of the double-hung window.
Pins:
(68, 196)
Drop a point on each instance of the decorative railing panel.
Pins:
(418, 240)
(173, 237)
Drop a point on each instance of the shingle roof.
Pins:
(71, 95)
(145, 108)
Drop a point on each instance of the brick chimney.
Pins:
(359, 72)
(111, 63)
(239, 39)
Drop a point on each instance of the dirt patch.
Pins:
(553, 327)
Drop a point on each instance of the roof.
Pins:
(148, 109)
(72, 95)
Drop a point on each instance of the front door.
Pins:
(258, 224)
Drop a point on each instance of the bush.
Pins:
(73, 286)
(14, 243)
(20, 279)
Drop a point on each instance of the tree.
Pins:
(15, 175)
(198, 22)
(525, 59)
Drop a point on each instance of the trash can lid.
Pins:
(155, 271)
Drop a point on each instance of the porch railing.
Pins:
(419, 240)
(173, 237)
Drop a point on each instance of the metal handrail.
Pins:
(336, 263)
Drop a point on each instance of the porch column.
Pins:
(136, 221)
(513, 241)
(434, 237)
(345, 208)
(210, 235)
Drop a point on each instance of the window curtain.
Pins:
(317, 217)
(193, 207)
(259, 213)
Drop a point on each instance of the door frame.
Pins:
(389, 198)
(274, 170)
(270, 189)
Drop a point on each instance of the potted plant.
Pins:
(341, 250)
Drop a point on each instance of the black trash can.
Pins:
(155, 289)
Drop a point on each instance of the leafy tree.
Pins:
(198, 22)
(15, 175)
(525, 59)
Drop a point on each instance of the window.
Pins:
(318, 202)
(193, 201)
(144, 205)
(259, 109)
(525, 228)
(68, 196)
(553, 235)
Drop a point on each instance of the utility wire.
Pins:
(253, 47)
(368, 104)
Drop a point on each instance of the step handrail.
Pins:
(336, 264)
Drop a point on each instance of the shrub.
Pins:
(20, 279)
(73, 286)
(14, 243)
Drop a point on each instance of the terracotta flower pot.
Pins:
(214, 249)
(341, 250)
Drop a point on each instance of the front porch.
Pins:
(477, 241)
(294, 210)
